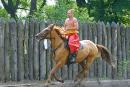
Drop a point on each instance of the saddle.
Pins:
(67, 46)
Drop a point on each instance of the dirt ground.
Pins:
(69, 83)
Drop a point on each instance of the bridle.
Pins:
(54, 49)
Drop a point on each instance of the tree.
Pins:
(106, 10)
(33, 6)
(10, 7)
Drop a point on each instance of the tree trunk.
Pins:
(10, 7)
(33, 6)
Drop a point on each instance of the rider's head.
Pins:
(70, 13)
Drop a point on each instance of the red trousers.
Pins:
(73, 42)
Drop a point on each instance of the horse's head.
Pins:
(49, 32)
(45, 33)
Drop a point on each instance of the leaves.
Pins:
(85, 10)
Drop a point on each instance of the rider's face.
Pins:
(69, 14)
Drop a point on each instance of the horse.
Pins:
(89, 52)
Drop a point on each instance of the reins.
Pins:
(54, 49)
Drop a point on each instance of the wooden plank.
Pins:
(91, 29)
(119, 53)
(48, 61)
(99, 31)
(2, 25)
(31, 49)
(108, 30)
(20, 51)
(95, 40)
(13, 39)
(26, 50)
(36, 52)
(43, 66)
(80, 31)
(70, 72)
(104, 42)
(114, 47)
(128, 36)
(123, 51)
(48, 55)
(7, 52)
(92, 68)
(75, 70)
(127, 49)
(95, 32)
(85, 31)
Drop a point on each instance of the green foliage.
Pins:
(3, 13)
(104, 10)
(58, 11)
(110, 10)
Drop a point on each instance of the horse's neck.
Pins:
(56, 41)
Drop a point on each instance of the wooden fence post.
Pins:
(95, 41)
(20, 51)
(104, 42)
(119, 53)
(7, 52)
(128, 47)
(114, 47)
(127, 50)
(36, 52)
(91, 37)
(123, 51)
(13, 45)
(99, 35)
(26, 50)
(108, 28)
(2, 25)
(31, 49)
(42, 54)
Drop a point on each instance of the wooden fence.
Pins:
(23, 58)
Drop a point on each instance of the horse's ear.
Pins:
(51, 26)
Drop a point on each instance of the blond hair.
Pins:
(72, 10)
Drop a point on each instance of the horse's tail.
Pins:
(106, 55)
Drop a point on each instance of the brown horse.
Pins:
(89, 52)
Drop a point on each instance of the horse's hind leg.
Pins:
(85, 67)
(79, 74)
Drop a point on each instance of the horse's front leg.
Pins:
(58, 78)
(53, 71)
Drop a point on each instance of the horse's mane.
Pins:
(59, 29)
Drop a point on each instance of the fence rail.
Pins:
(23, 58)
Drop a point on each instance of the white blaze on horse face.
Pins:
(45, 44)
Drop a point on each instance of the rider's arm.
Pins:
(65, 24)
(76, 25)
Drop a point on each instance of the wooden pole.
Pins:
(2, 25)
(36, 52)
(20, 51)
(26, 50)
(7, 52)
(13, 45)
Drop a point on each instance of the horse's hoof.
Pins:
(76, 79)
(46, 85)
(62, 81)
(77, 84)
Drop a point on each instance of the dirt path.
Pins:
(104, 83)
